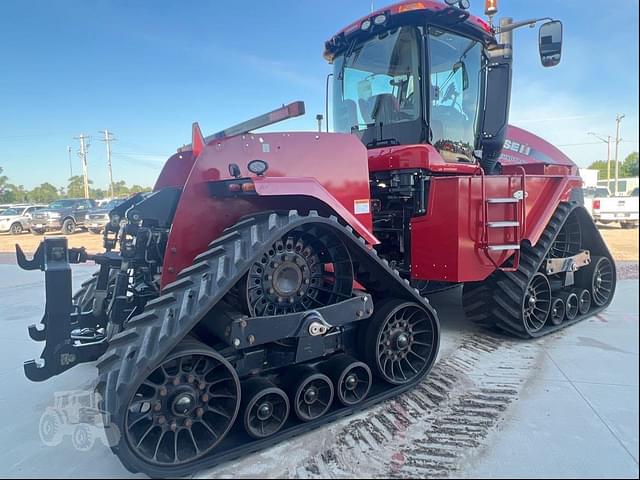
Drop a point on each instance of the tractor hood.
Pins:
(522, 147)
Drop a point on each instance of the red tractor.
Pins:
(274, 282)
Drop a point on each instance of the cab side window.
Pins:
(456, 66)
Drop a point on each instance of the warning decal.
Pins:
(361, 206)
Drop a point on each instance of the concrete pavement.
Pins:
(565, 406)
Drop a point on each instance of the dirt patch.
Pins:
(29, 242)
(622, 243)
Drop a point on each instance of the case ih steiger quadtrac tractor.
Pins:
(274, 282)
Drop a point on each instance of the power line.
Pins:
(591, 143)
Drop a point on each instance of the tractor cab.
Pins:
(426, 73)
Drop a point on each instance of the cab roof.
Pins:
(435, 12)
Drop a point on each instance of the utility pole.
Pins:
(608, 161)
(108, 138)
(608, 142)
(618, 140)
(83, 156)
(70, 162)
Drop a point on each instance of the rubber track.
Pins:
(497, 301)
(84, 296)
(149, 337)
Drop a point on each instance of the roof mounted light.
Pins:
(408, 7)
(490, 7)
(462, 4)
(380, 19)
(366, 25)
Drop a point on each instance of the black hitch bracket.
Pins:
(60, 352)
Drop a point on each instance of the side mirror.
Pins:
(550, 43)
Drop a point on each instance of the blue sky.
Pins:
(146, 70)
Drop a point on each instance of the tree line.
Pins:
(626, 169)
(47, 192)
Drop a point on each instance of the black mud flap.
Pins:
(60, 352)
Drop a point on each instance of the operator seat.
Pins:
(386, 109)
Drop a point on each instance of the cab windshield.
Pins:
(377, 89)
(379, 93)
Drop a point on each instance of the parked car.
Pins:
(17, 219)
(65, 215)
(622, 209)
(99, 217)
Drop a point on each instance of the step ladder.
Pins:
(517, 223)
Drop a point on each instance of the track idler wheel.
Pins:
(556, 316)
(571, 304)
(266, 407)
(301, 271)
(183, 409)
(352, 378)
(536, 303)
(599, 278)
(584, 301)
(400, 341)
(311, 393)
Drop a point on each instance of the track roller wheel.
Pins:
(352, 378)
(597, 277)
(183, 409)
(312, 393)
(571, 304)
(399, 342)
(536, 303)
(266, 407)
(584, 301)
(556, 316)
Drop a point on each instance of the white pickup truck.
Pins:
(624, 210)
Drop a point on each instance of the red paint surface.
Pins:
(175, 171)
(424, 157)
(337, 162)
(446, 242)
(332, 170)
(310, 187)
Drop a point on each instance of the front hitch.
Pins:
(61, 352)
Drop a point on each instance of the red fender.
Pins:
(309, 187)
